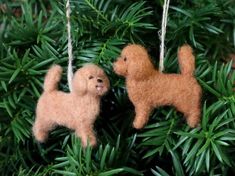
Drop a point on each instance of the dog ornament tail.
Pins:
(186, 60)
(52, 78)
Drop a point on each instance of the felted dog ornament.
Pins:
(148, 88)
(76, 110)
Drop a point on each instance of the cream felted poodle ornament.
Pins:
(76, 110)
(148, 88)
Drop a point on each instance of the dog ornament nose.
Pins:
(99, 80)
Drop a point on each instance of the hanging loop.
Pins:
(70, 48)
(162, 34)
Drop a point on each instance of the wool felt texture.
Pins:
(148, 88)
(76, 110)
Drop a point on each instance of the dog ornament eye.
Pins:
(125, 58)
(91, 77)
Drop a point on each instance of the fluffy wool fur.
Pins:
(147, 88)
(76, 110)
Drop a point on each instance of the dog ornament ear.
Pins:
(79, 83)
(140, 68)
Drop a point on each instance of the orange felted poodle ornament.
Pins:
(148, 88)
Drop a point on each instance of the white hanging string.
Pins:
(163, 33)
(70, 48)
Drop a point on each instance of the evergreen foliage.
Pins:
(33, 36)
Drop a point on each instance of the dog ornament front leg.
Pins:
(142, 115)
